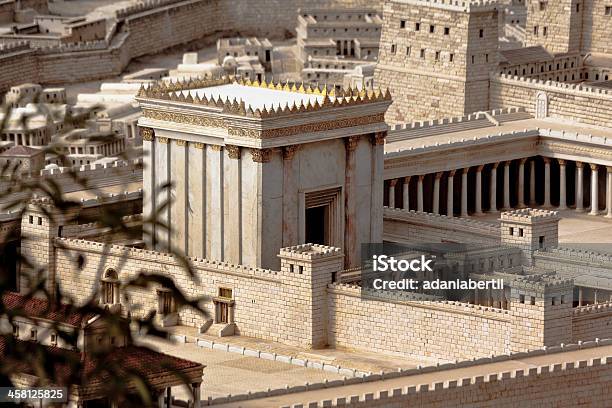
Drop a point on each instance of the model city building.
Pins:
(403, 121)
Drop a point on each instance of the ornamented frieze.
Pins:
(260, 155)
(233, 151)
(175, 117)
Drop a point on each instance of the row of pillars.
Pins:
(521, 202)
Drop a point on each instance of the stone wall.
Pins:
(411, 226)
(571, 102)
(419, 329)
(556, 25)
(567, 384)
(596, 32)
(592, 322)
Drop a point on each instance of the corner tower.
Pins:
(435, 57)
(255, 167)
(555, 24)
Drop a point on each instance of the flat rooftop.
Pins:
(257, 97)
(451, 135)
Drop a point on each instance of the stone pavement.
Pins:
(358, 360)
(426, 378)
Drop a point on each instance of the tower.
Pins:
(309, 270)
(555, 24)
(530, 230)
(255, 167)
(436, 56)
(541, 308)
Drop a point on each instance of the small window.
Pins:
(545, 31)
(535, 30)
(225, 293)
(487, 57)
(393, 48)
(562, 299)
(39, 220)
(511, 230)
(53, 339)
(33, 334)
(402, 23)
(541, 241)
(522, 298)
(481, 33)
(608, 10)
(543, 5)
(578, 8)
(446, 30)
(437, 55)
(532, 301)
(473, 59)
(521, 232)
(422, 52)
(432, 29)
(16, 330)
(407, 50)
(31, 219)
(300, 269)
(417, 27)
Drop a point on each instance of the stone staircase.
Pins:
(221, 329)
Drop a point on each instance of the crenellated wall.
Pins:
(592, 322)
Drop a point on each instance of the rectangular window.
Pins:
(473, 59)
(417, 27)
(432, 29)
(535, 30)
(608, 10)
(166, 303)
(532, 300)
(33, 334)
(39, 220)
(402, 23)
(393, 48)
(511, 230)
(437, 55)
(225, 293)
(487, 57)
(481, 33)
(522, 298)
(31, 218)
(422, 52)
(16, 330)
(54, 339)
(451, 57)
(578, 8)
(407, 50)
(543, 5)
(545, 31)
(446, 31)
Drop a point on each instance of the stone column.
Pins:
(547, 182)
(609, 192)
(351, 248)
(420, 194)
(392, 184)
(478, 204)
(507, 205)
(562, 186)
(406, 193)
(579, 187)
(594, 190)
(493, 189)
(195, 390)
(580, 296)
(521, 183)
(449, 196)
(464, 192)
(532, 178)
(436, 193)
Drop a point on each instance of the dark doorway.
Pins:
(317, 225)
(9, 265)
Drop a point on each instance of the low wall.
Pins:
(570, 384)
(569, 101)
(411, 226)
(592, 322)
(419, 329)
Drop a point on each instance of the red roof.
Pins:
(39, 308)
(76, 368)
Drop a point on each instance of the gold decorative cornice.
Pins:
(260, 155)
(323, 126)
(216, 148)
(180, 142)
(147, 134)
(198, 145)
(241, 132)
(289, 151)
(233, 151)
(163, 140)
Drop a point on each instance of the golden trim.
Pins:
(198, 145)
(260, 155)
(180, 142)
(233, 151)
(163, 140)
(147, 133)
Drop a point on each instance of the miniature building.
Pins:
(23, 159)
(262, 143)
(261, 50)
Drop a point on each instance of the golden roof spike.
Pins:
(301, 88)
(293, 88)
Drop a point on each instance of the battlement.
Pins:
(577, 89)
(591, 257)
(437, 218)
(593, 309)
(529, 216)
(145, 6)
(92, 202)
(310, 252)
(14, 46)
(161, 257)
(458, 5)
(87, 169)
(315, 98)
(542, 283)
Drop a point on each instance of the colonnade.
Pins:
(517, 184)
